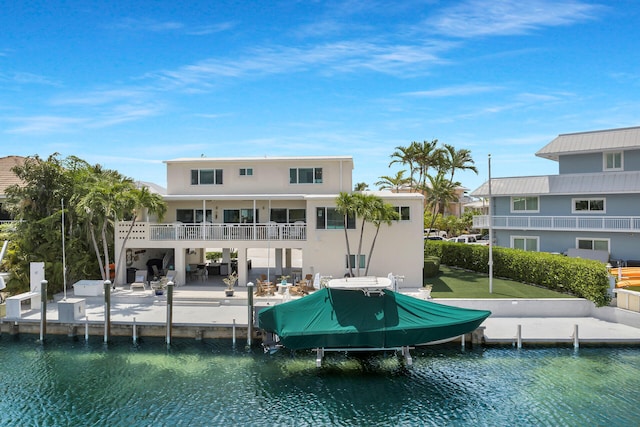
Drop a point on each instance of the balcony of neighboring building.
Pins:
(615, 224)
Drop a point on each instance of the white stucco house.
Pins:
(592, 204)
(283, 204)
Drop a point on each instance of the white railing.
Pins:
(561, 223)
(213, 232)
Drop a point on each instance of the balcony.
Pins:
(213, 232)
(615, 224)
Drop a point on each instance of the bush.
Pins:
(431, 266)
(581, 277)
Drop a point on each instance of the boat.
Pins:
(364, 314)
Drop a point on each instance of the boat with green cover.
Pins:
(363, 319)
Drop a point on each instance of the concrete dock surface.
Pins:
(207, 306)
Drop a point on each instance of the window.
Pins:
(191, 216)
(329, 218)
(352, 258)
(593, 244)
(612, 161)
(588, 205)
(525, 243)
(524, 204)
(305, 176)
(403, 213)
(206, 176)
(246, 171)
(283, 215)
(237, 216)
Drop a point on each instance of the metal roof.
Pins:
(573, 184)
(587, 142)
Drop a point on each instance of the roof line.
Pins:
(598, 131)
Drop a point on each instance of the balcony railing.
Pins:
(213, 232)
(618, 224)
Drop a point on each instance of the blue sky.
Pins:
(130, 84)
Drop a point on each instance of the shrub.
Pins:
(431, 266)
(581, 277)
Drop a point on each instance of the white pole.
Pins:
(64, 260)
(490, 234)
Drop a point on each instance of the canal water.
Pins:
(66, 382)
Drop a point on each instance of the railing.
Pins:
(210, 232)
(619, 224)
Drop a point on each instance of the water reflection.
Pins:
(65, 382)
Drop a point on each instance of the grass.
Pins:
(457, 283)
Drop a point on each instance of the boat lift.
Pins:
(404, 351)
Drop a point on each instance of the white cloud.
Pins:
(461, 90)
(474, 18)
(41, 125)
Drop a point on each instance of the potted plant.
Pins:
(230, 281)
(158, 286)
(283, 279)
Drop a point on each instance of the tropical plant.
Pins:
(135, 202)
(361, 186)
(458, 160)
(393, 183)
(231, 280)
(369, 208)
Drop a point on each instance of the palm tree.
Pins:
(102, 203)
(366, 207)
(440, 192)
(345, 205)
(426, 156)
(393, 183)
(361, 186)
(458, 159)
(384, 213)
(135, 202)
(406, 156)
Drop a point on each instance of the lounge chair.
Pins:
(141, 280)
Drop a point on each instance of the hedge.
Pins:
(580, 277)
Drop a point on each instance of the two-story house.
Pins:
(592, 204)
(282, 204)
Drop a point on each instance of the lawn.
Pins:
(457, 283)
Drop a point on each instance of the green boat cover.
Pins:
(335, 318)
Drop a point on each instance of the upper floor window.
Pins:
(525, 243)
(613, 161)
(206, 176)
(403, 213)
(525, 204)
(329, 218)
(246, 171)
(588, 205)
(305, 176)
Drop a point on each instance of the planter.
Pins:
(159, 292)
(228, 292)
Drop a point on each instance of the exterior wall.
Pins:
(396, 250)
(593, 162)
(269, 176)
(622, 246)
(580, 163)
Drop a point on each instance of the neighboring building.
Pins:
(7, 179)
(592, 204)
(283, 204)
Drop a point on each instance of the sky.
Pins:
(130, 84)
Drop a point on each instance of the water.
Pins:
(72, 383)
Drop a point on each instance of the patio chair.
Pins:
(140, 281)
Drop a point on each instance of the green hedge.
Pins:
(431, 266)
(581, 277)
